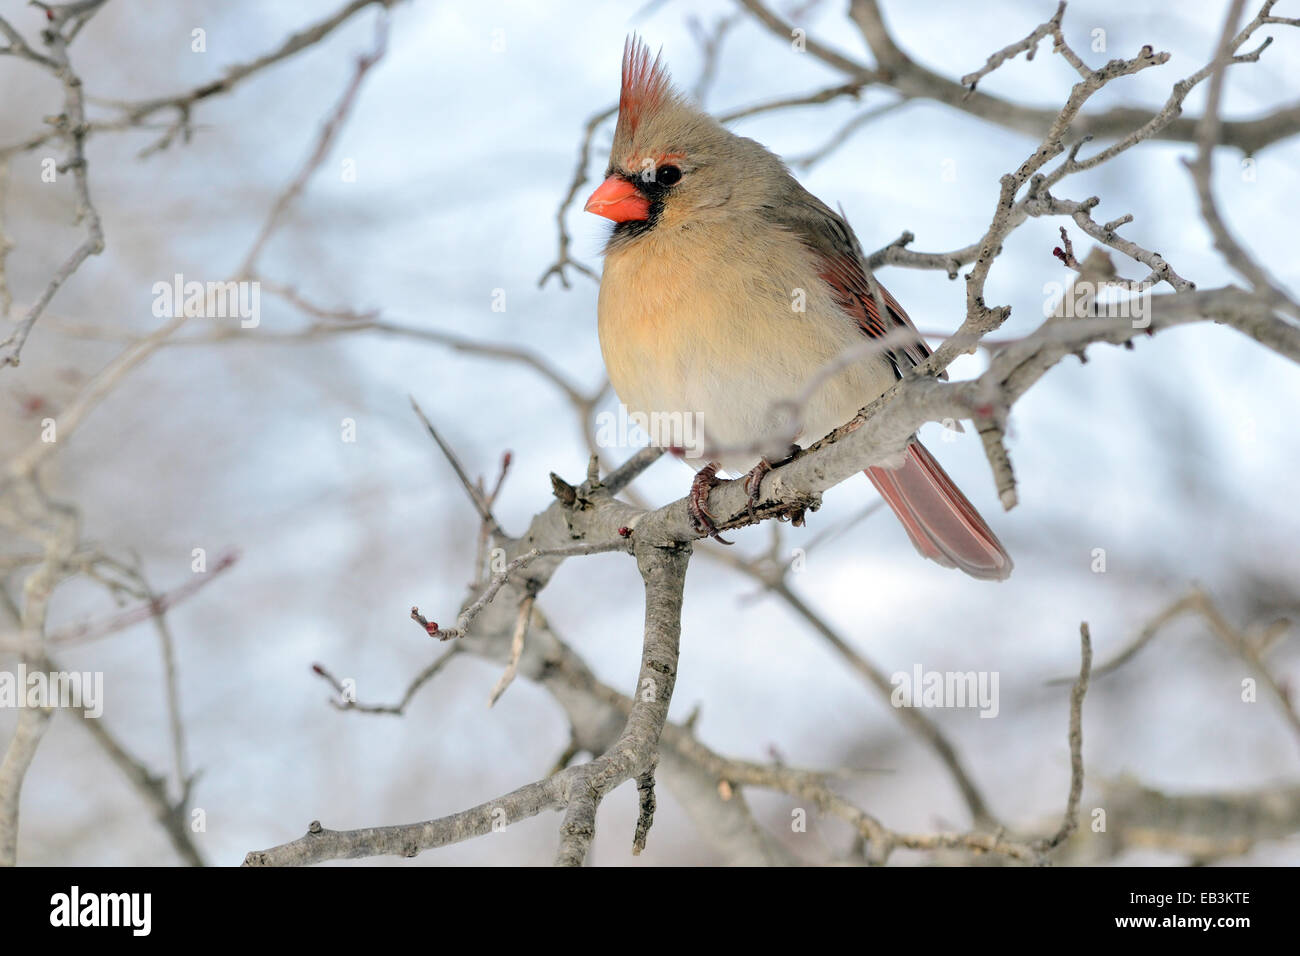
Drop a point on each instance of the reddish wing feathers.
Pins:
(840, 265)
(845, 276)
(843, 269)
(646, 84)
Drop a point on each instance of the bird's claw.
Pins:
(753, 484)
(706, 479)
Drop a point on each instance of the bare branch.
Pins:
(71, 126)
(898, 71)
(502, 578)
(155, 606)
(1027, 46)
(914, 718)
(579, 178)
(329, 131)
(133, 114)
(344, 700)
(1201, 169)
(516, 649)
(1077, 693)
(1250, 648)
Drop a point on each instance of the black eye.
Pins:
(667, 175)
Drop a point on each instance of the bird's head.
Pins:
(672, 165)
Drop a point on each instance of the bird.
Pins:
(729, 292)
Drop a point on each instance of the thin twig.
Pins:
(516, 649)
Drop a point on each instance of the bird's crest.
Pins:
(646, 88)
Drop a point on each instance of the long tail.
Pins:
(943, 525)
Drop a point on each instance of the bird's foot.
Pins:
(706, 479)
(753, 482)
(754, 478)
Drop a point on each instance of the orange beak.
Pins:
(619, 200)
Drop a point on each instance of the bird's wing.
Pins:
(842, 267)
(941, 522)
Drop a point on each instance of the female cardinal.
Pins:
(729, 289)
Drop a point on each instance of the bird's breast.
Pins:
(712, 330)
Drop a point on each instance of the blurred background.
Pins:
(437, 200)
